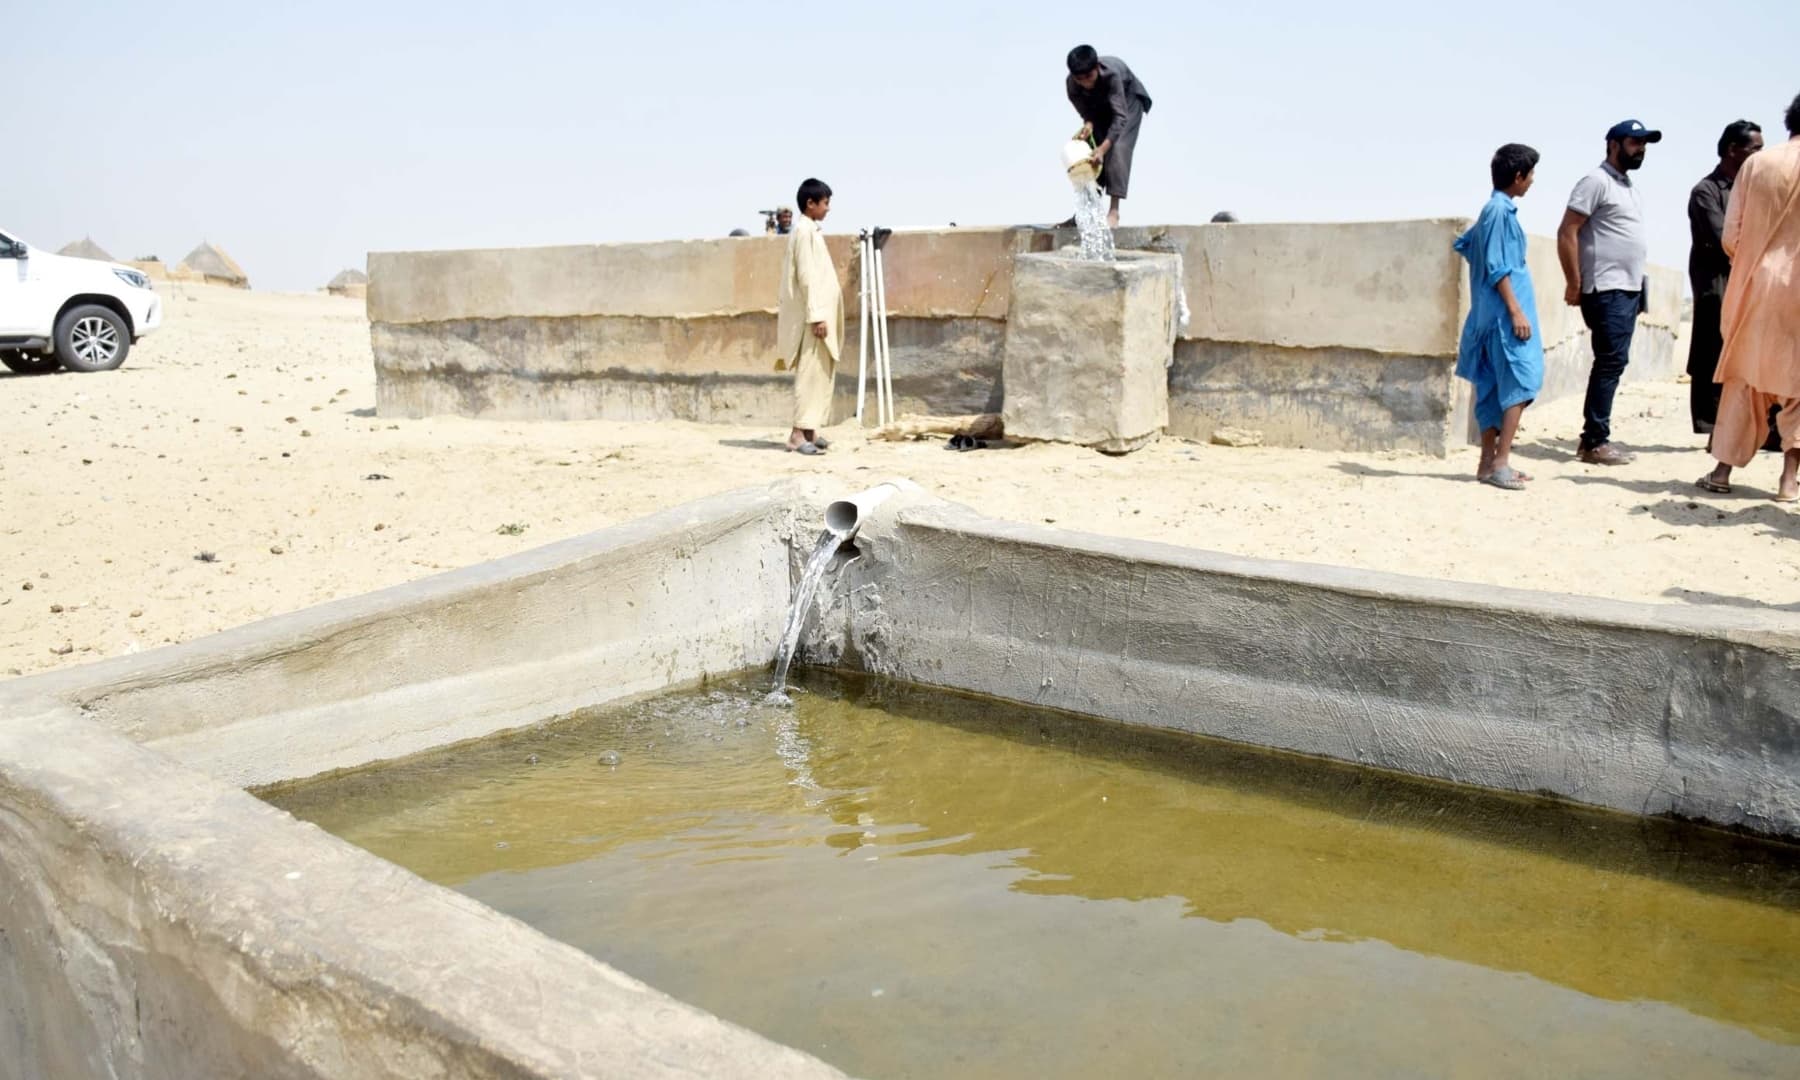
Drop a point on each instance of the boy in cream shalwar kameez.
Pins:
(810, 325)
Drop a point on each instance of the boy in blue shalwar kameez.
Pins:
(1501, 353)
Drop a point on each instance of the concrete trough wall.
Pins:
(156, 921)
(1639, 708)
(1332, 336)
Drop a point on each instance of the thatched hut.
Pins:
(85, 248)
(210, 264)
(352, 283)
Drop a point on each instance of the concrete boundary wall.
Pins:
(1331, 336)
(1639, 708)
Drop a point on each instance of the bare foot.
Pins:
(1789, 488)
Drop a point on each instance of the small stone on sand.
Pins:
(1234, 436)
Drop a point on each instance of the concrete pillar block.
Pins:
(1088, 347)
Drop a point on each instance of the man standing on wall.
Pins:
(1112, 102)
(1604, 251)
(1709, 266)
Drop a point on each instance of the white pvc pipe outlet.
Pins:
(845, 516)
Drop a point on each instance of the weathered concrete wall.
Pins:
(682, 330)
(1317, 398)
(1344, 337)
(1332, 336)
(1640, 708)
(161, 925)
(622, 611)
(1375, 286)
(711, 369)
(156, 922)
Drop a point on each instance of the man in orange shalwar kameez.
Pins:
(1760, 364)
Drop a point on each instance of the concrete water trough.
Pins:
(158, 920)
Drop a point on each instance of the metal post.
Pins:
(863, 297)
(884, 376)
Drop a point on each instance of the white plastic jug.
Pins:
(1075, 155)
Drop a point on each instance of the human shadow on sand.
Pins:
(1709, 599)
(1564, 449)
(1641, 487)
(1726, 512)
(1370, 472)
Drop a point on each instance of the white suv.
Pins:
(81, 314)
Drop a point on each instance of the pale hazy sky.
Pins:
(301, 136)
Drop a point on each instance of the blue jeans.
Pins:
(1611, 316)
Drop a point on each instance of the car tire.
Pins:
(92, 338)
(29, 363)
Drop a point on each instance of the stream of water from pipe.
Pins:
(829, 542)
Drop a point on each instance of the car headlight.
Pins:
(132, 278)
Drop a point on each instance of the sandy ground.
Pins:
(234, 469)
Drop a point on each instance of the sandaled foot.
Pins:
(806, 448)
(1520, 473)
(1707, 483)
(821, 442)
(1605, 454)
(1791, 495)
(1506, 478)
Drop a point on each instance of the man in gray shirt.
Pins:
(1604, 249)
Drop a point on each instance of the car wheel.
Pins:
(91, 338)
(29, 363)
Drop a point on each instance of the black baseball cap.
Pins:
(1633, 129)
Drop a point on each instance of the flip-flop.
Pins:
(1778, 497)
(958, 442)
(804, 448)
(1707, 483)
(1505, 478)
(821, 442)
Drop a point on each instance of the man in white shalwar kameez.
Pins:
(810, 326)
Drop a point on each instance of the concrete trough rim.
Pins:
(295, 630)
(1776, 629)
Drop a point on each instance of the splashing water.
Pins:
(829, 542)
(1090, 223)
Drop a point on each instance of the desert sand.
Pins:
(235, 469)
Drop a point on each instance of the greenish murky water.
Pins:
(911, 883)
